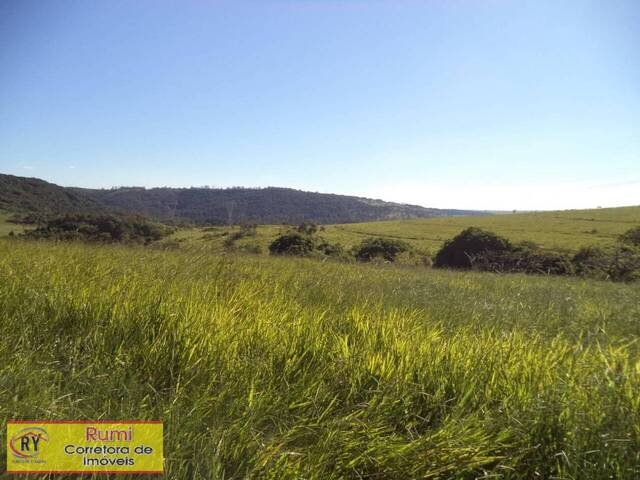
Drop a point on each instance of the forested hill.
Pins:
(208, 206)
(20, 194)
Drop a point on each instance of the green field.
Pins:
(564, 230)
(289, 368)
(6, 227)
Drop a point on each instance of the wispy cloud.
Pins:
(27, 167)
(71, 167)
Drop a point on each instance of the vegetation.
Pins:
(20, 194)
(246, 230)
(282, 367)
(464, 248)
(565, 232)
(100, 228)
(559, 231)
(524, 260)
(206, 206)
(386, 249)
(303, 241)
(631, 237)
(292, 244)
(486, 251)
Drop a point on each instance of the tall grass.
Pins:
(290, 368)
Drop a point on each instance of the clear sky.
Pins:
(487, 104)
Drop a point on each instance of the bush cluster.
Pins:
(101, 228)
(292, 244)
(380, 248)
(304, 241)
(462, 250)
(478, 249)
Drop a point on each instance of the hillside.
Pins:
(208, 206)
(251, 205)
(21, 194)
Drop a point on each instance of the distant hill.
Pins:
(209, 206)
(20, 194)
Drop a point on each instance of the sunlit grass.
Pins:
(292, 368)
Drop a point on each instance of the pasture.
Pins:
(291, 368)
(564, 230)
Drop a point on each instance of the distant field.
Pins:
(567, 230)
(286, 368)
(6, 227)
(564, 230)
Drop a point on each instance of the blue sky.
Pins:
(490, 104)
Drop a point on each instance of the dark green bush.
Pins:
(460, 251)
(619, 264)
(331, 249)
(307, 228)
(101, 228)
(377, 247)
(625, 265)
(524, 261)
(592, 262)
(631, 237)
(486, 251)
(292, 244)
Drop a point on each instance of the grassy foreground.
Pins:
(291, 368)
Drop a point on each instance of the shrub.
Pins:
(592, 262)
(307, 228)
(467, 245)
(101, 228)
(625, 265)
(620, 264)
(292, 244)
(248, 230)
(524, 261)
(335, 250)
(229, 242)
(631, 237)
(486, 251)
(28, 219)
(245, 231)
(377, 247)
